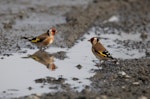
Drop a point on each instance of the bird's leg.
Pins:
(102, 61)
(41, 48)
(116, 61)
(44, 48)
(99, 64)
(95, 61)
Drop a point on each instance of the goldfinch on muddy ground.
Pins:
(44, 40)
(99, 50)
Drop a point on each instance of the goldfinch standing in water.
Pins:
(99, 50)
(44, 40)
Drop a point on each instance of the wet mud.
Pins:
(122, 25)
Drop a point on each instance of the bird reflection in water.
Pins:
(45, 58)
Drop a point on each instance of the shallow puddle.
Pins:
(19, 71)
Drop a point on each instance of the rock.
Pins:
(7, 25)
(53, 87)
(144, 35)
(75, 79)
(103, 97)
(142, 97)
(30, 88)
(147, 52)
(136, 83)
(127, 76)
(79, 66)
(33, 97)
(122, 73)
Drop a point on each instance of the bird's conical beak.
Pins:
(89, 40)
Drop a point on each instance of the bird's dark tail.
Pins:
(27, 38)
(111, 57)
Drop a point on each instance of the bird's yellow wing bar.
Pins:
(35, 40)
(102, 54)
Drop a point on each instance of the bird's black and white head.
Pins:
(52, 32)
(94, 40)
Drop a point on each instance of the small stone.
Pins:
(123, 87)
(147, 52)
(122, 73)
(79, 82)
(136, 83)
(7, 55)
(103, 97)
(30, 88)
(79, 66)
(33, 97)
(95, 1)
(75, 79)
(41, 80)
(75, 87)
(53, 87)
(38, 95)
(7, 25)
(2, 57)
(142, 97)
(144, 35)
(127, 76)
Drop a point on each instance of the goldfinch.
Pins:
(44, 40)
(99, 50)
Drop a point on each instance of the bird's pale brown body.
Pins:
(43, 40)
(99, 50)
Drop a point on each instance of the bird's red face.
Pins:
(94, 40)
(53, 31)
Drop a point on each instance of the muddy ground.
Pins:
(128, 80)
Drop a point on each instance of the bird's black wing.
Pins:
(36, 39)
(104, 54)
(107, 54)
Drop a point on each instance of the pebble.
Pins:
(30, 88)
(122, 73)
(123, 87)
(75, 79)
(33, 97)
(144, 35)
(127, 76)
(103, 97)
(147, 52)
(136, 83)
(142, 97)
(79, 66)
